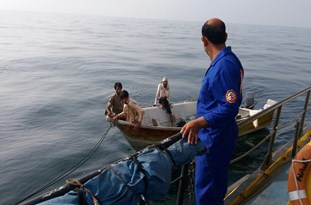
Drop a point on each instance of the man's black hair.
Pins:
(215, 33)
(117, 84)
(124, 94)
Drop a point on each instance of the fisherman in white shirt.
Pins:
(162, 96)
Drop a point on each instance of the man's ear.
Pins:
(204, 40)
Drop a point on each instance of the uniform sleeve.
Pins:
(226, 91)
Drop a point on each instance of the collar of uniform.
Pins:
(222, 53)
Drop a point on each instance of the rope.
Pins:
(76, 166)
(295, 178)
(78, 184)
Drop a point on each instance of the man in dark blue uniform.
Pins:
(215, 125)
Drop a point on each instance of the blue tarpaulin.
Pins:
(147, 174)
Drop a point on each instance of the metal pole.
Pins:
(297, 135)
(182, 185)
(304, 113)
(268, 158)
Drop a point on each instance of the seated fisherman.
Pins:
(131, 110)
(162, 96)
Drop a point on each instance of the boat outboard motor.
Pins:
(249, 101)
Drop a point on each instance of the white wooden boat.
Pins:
(156, 125)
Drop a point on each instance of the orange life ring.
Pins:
(298, 177)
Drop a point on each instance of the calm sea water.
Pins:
(57, 72)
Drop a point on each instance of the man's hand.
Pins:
(108, 113)
(114, 118)
(137, 125)
(191, 129)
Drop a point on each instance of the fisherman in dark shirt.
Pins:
(115, 104)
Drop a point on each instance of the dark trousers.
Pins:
(164, 102)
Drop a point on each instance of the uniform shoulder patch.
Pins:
(231, 96)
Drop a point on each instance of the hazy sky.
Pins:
(265, 12)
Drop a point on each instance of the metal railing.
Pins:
(278, 108)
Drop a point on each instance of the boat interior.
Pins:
(185, 111)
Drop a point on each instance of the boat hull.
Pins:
(261, 123)
(144, 136)
(147, 135)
